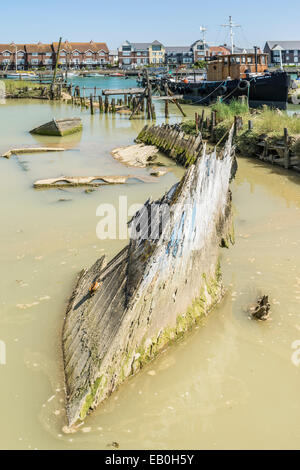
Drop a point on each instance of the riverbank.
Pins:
(270, 135)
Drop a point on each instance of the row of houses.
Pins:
(133, 54)
(72, 55)
(130, 54)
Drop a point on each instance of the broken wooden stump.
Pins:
(165, 281)
(28, 150)
(138, 155)
(261, 311)
(94, 181)
(59, 127)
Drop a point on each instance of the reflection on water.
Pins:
(231, 384)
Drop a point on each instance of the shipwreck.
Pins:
(59, 127)
(122, 314)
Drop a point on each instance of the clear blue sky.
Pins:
(173, 22)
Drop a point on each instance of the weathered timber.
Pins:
(138, 155)
(165, 281)
(59, 127)
(125, 91)
(171, 140)
(31, 150)
(167, 98)
(95, 181)
(261, 310)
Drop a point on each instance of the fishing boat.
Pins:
(234, 75)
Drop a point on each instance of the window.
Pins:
(126, 48)
(48, 54)
(200, 47)
(88, 53)
(138, 53)
(34, 61)
(126, 61)
(296, 59)
(6, 54)
(62, 54)
(76, 54)
(35, 54)
(156, 48)
(48, 61)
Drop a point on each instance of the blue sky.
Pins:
(173, 22)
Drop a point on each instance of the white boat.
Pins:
(21, 76)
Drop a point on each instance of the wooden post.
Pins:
(196, 122)
(113, 105)
(125, 100)
(153, 113)
(286, 149)
(95, 92)
(56, 67)
(100, 104)
(202, 121)
(91, 104)
(106, 104)
(250, 125)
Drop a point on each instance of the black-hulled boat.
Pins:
(234, 75)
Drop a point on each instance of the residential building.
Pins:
(39, 55)
(218, 51)
(8, 54)
(179, 55)
(113, 58)
(283, 52)
(82, 54)
(135, 54)
(200, 50)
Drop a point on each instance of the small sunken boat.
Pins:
(161, 284)
(59, 127)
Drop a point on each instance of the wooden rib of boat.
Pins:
(59, 127)
(154, 290)
(94, 181)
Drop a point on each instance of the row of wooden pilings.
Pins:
(105, 105)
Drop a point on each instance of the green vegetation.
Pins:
(12, 86)
(228, 111)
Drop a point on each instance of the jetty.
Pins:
(122, 314)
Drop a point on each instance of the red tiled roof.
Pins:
(11, 47)
(218, 49)
(82, 46)
(39, 47)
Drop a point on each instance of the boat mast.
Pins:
(231, 26)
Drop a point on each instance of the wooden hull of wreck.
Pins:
(153, 291)
(59, 127)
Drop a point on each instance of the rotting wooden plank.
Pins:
(95, 181)
(124, 91)
(30, 150)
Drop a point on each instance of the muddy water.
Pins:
(231, 384)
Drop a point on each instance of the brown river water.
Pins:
(232, 383)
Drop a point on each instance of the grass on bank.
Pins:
(13, 86)
(266, 121)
